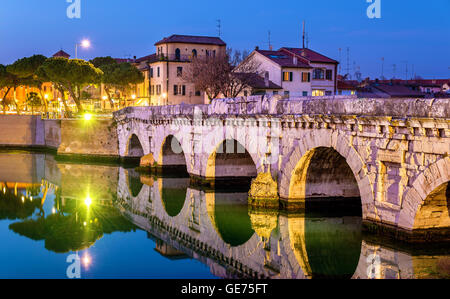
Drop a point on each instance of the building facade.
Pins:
(299, 71)
(164, 81)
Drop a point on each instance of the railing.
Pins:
(276, 105)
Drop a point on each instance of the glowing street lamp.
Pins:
(84, 43)
(87, 116)
(88, 201)
(133, 97)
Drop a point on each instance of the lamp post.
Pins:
(84, 43)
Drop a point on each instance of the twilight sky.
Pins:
(410, 32)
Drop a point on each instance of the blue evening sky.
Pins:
(413, 32)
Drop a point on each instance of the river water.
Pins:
(60, 219)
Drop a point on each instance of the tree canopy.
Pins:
(120, 77)
(101, 61)
(72, 75)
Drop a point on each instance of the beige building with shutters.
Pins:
(163, 71)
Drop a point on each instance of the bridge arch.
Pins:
(134, 147)
(172, 155)
(343, 160)
(231, 159)
(433, 182)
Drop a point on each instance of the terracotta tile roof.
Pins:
(122, 60)
(149, 58)
(346, 85)
(258, 82)
(310, 55)
(189, 39)
(61, 53)
(398, 90)
(283, 59)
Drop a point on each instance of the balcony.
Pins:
(174, 57)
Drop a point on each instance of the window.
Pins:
(197, 93)
(306, 77)
(177, 54)
(287, 76)
(179, 90)
(158, 72)
(318, 93)
(329, 75)
(318, 74)
(152, 90)
(305, 93)
(328, 93)
(179, 71)
(151, 72)
(194, 53)
(158, 89)
(275, 92)
(286, 93)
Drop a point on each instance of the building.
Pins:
(298, 71)
(164, 83)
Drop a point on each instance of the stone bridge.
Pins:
(390, 153)
(191, 223)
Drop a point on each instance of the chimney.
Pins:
(256, 48)
(266, 79)
(294, 60)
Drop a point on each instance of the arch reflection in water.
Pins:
(229, 215)
(173, 194)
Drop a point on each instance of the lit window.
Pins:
(318, 93)
(306, 77)
(287, 76)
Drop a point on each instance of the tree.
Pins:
(25, 69)
(72, 75)
(120, 77)
(8, 81)
(221, 74)
(33, 100)
(208, 73)
(101, 61)
(242, 74)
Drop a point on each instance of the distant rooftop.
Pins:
(190, 39)
(61, 53)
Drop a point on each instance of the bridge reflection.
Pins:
(217, 228)
(222, 231)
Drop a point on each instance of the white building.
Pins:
(299, 71)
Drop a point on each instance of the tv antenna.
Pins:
(340, 61)
(382, 68)
(270, 43)
(219, 26)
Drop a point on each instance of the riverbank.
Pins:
(79, 140)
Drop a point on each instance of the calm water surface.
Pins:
(124, 225)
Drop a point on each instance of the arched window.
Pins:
(177, 54)
(194, 53)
